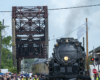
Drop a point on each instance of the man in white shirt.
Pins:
(30, 74)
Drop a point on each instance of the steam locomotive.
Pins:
(68, 60)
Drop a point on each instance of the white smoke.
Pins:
(77, 17)
(81, 31)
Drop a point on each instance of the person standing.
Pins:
(35, 77)
(86, 77)
(97, 76)
(5, 78)
(30, 74)
(32, 77)
(42, 77)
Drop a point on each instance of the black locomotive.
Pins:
(68, 60)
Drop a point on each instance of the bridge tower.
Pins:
(29, 33)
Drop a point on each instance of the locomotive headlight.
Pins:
(65, 58)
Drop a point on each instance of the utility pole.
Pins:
(1, 41)
(83, 41)
(87, 45)
(14, 44)
(0, 44)
(94, 55)
(94, 60)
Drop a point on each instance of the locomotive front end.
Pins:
(68, 59)
(68, 51)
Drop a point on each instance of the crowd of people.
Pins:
(21, 77)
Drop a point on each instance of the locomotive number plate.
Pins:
(62, 69)
(69, 69)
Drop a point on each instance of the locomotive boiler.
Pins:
(68, 60)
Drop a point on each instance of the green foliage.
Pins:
(6, 41)
(6, 56)
(13, 70)
(1, 27)
(12, 44)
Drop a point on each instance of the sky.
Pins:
(61, 22)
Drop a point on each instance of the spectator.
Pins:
(1, 77)
(12, 76)
(35, 77)
(30, 74)
(26, 77)
(8, 78)
(22, 78)
(42, 77)
(31, 78)
(97, 76)
(5, 78)
(18, 77)
(86, 77)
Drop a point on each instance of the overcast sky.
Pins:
(62, 22)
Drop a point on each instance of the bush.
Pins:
(13, 70)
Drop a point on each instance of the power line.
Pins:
(5, 11)
(67, 7)
(75, 7)
(68, 33)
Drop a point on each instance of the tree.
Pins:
(6, 56)
(13, 70)
(6, 42)
(6, 59)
